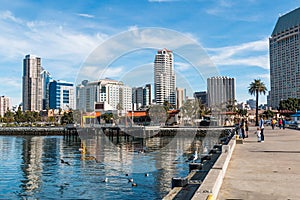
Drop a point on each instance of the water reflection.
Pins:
(32, 164)
(31, 167)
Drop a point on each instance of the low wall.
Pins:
(212, 183)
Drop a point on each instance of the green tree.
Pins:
(242, 112)
(291, 104)
(19, 116)
(29, 117)
(231, 105)
(8, 116)
(203, 110)
(167, 105)
(36, 116)
(257, 87)
(268, 113)
(67, 118)
(108, 117)
(190, 111)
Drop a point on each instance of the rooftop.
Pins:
(287, 21)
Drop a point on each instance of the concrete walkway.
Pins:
(269, 170)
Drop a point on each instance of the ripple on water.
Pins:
(31, 168)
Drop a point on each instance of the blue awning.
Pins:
(297, 114)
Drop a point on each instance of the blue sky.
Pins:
(234, 34)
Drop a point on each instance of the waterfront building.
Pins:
(220, 90)
(137, 97)
(180, 97)
(4, 105)
(107, 94)
(201, 96)
(32, 84)
(45, 78)
(147, 95)
(61, 95)
(251, 103)
(284, 47)
(164, 77)
(141, 97)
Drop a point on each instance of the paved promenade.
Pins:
(269, 170)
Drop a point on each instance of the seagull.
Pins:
(134, 184)
(194, 156)
(105, 180)
(146, 174)
(130, 180)
(64, 162)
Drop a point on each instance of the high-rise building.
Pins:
(147, 95)
(45, 78)
(141, 96)
(180, 97)
(284, 47)
(32, 84)
(220, 90)
(164, 77)
(113, 95)
(251, 103)
(202, 96)
(137, 97)
(61, 95)
(4, 105)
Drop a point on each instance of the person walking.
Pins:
(273, 123)
(283, 123)
(242, 127)
(280, 123)
(261, 127)
(246, 128)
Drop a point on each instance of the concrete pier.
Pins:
(268, 170)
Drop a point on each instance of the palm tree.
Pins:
(257, 87)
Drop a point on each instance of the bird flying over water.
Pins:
(64, 162)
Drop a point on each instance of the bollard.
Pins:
(179, 182)
(206, 157)
(193, 166)
(218, 146)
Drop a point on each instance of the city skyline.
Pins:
(235, 36)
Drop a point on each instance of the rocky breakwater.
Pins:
(33, 130)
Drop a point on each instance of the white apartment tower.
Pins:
(4, 105)
(113, 94)
(220, 90)
(180, 97)
(164, 77)
(32, 84)
(284, 45)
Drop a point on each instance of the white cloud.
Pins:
(85, 15)
(11, 87)
(7, 15)
(248, 54)
(159, 1)
(10, 83)
(50, 41)
(182, 67)
(94, 73)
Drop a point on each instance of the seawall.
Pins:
(33, 131)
